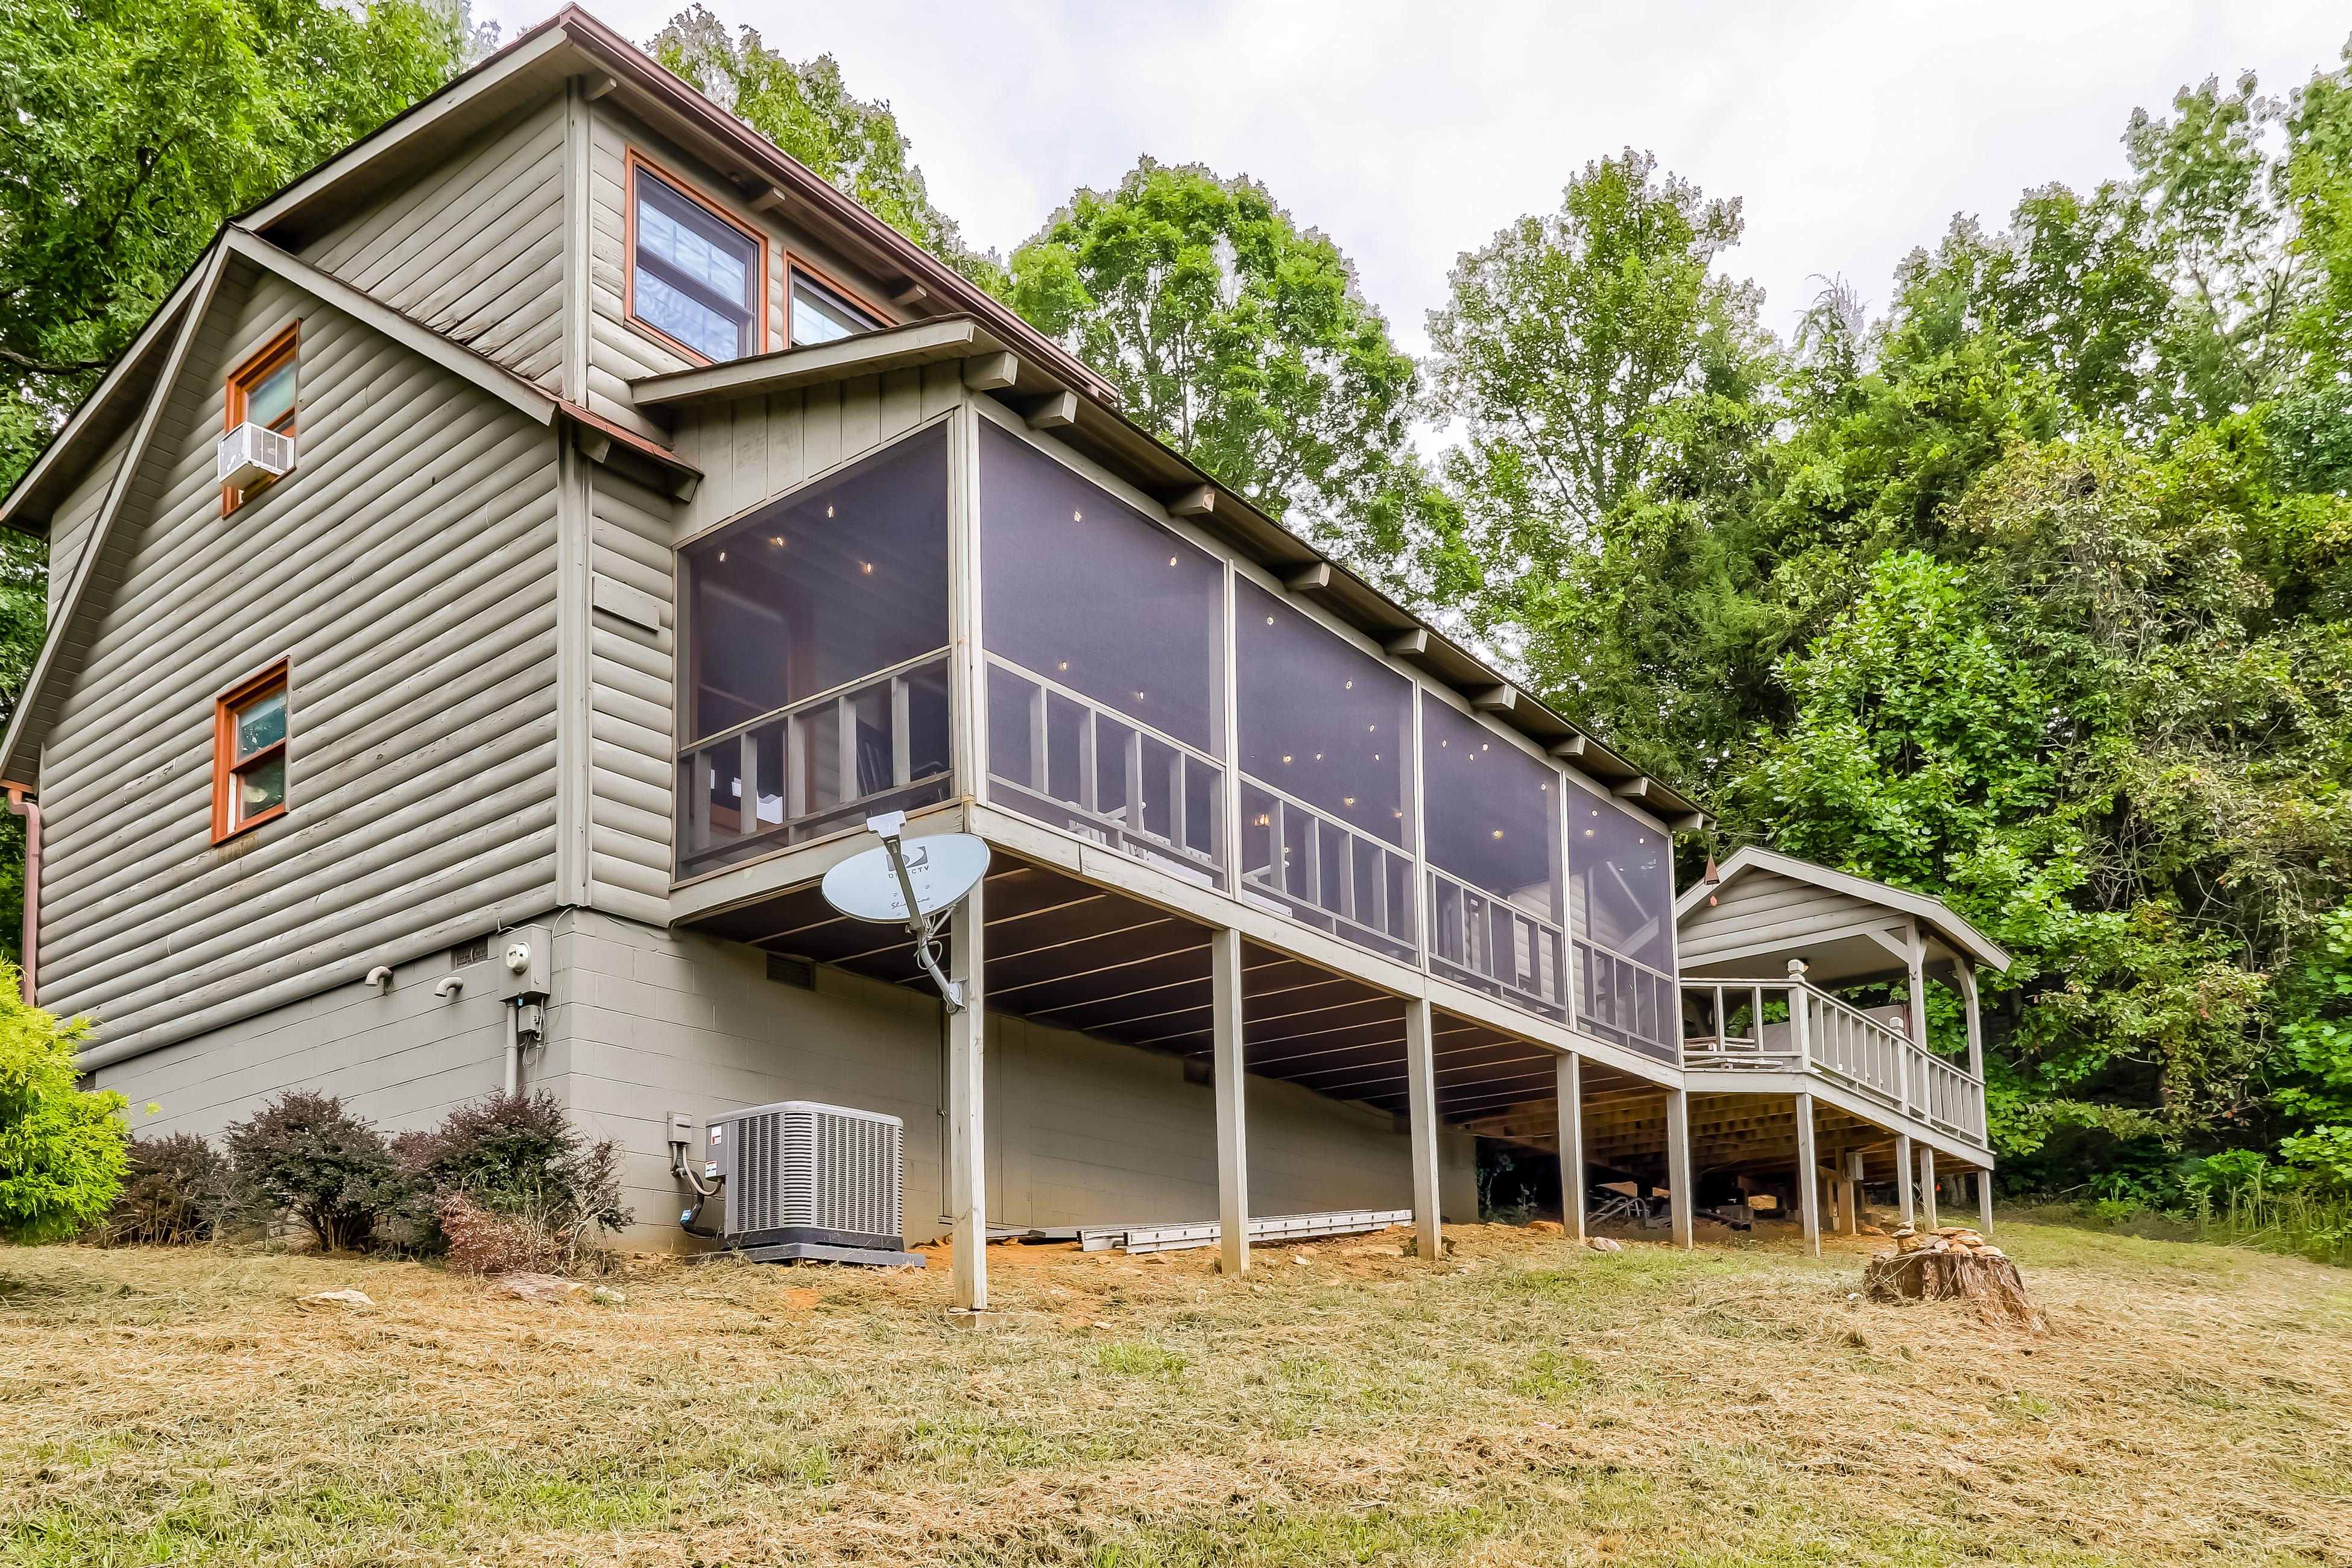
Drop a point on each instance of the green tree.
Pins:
(62, 1149)
(1237, 336)
(129, 128)
(809, 112)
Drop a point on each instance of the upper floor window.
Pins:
(693, 274)
(820, 314)
(263, 392)
(249, 753)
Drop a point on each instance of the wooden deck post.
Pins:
(1834, 1176)
(1678, 1167)
(1233, 1123)
(1984, 1201)
(966, 1174)
(1902, 1176)
(1569, 1077)
(1421, 1082)
(1927, 1185)
(1850, 1179)
(1808, 1176)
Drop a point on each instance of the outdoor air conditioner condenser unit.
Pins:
(799, 1180)
(252, 453)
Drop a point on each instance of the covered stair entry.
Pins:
(1789, 1072)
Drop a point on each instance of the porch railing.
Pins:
(1324, 872)
(1065, 759)
(1622, 1000)
(825, 764)
(1490, 942)
(1787, 1027)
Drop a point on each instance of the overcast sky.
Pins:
(1410, 133)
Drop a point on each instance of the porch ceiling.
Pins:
(1067, 952)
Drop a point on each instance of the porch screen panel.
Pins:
(1326, 759)
(1620, 887)
(1491, 825)
(816, 638)
(1105, 636)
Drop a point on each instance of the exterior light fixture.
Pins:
(866, 567)
(1499, 833)
(777, 540)
(1346, 800)
(828, 510)
(722, 555)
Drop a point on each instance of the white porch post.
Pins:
(1809, 1172)
(1233, 1123)
(1975, 1021)
(1984, 1201)
(966, 1176)
(1918, 1015)
(1835, 1178)
(1928, 1184)
(1421, 1076)
(1678, 1167)
(1570, 1072)
(1903, 1175)
(1850, 1178)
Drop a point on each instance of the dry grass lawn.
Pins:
(1526, 1403)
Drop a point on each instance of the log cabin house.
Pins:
(563, 513)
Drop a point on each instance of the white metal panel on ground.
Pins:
(1181, 1236)
(404, 568)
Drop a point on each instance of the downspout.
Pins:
(25, 805)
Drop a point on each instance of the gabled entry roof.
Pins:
(1934, 916)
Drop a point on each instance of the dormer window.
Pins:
(695, 275)
(819, 314)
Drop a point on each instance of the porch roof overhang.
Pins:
(1936, 919)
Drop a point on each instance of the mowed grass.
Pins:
(1525, 1402)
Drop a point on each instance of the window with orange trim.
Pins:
(263, 390)
(249, 754)
(696, 275)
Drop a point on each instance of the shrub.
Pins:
(305, 1154)
(528, 1183)
(61, 1148)
(176, 1191)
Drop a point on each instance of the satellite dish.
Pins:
(942, 870)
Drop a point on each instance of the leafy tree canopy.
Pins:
(1234, 334)
(808, 110)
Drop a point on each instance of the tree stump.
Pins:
(1987, 1282)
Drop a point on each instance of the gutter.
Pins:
(21, 803)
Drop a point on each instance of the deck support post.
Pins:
(1974, 1009)
(1570, 1072)
(967, 1176)
(1927, 1185)
(1984, 1201)
(1808, 1176)
(1849, 1180)
(1421, 1076)
(1678, 1167)
(1233, 1126)
(1902, 1176)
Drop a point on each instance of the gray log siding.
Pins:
(475, 249)
(69, 527)
(1762, 905)
(644, 1022)
(756, 449)
(631, 741)
(407, 570)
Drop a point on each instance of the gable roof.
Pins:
(1927, 910)
(69, 629)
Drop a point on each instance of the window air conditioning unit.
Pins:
(799, 1180)
(252, 453)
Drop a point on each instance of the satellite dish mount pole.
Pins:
(925, 928)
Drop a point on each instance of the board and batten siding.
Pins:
(69, 525)
(757, 448)
(474, 248)
(406, 571)
(1762, 908)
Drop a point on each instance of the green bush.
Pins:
(177, 1190)
(304, 1154)
(61, 1148)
